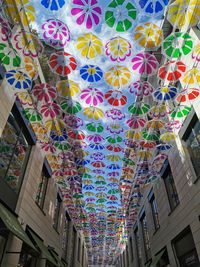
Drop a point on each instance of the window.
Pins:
(42, 189)
(170, 188)
(131, 247)
(57, 210)
(73, 245)
(185, 249)
(138, 247)
(192, 141)
(154, 209)
(83, 254)
(145, 234)
(65, 236)
(79, 249)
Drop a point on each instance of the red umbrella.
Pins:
(112, 197)
(148, 144)
(98, 164)
(172, 70)
(62, 63)
(77, 135)
(116, 98)
(188, 94)
(114, 148)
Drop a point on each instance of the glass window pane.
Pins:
(154, 209)
(42, 188)
(145, 236)
(171, 190)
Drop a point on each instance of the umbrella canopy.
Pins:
(55, 33)
(188, 94)
(145, 64)
(136, 122)
(196, 53)
(92, 96)
(87, 13)
(138, 108)
(18, 80)
(116, 98)
(118, 49)
(53, 5)
(89, 45)
(62, 63)
(95, 127)
(93, 113)
(70, 107)
(153, 7)
(191, 77)
(120, 15)
(148, 35)
(9, 56)
(165, 93)
(172, 70)
(141, 88)
(118, 76)
(44, 92)
(115, 114)
(91, 73)
(67, 88)
(180, 112)
(184, 14)
(177, 44)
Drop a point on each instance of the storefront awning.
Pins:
(157, 258)
(42, 248)
(59, 261)
(11, 222)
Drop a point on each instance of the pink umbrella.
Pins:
(62, 63)
(141, 88)
(44, 92)
(145, 63)
(92, 96)
(136, 122)
(86, 11)
(55, 33)
(50, 109)
(115, 114)
(96, 138)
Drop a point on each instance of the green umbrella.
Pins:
(138, 108)
(101, 200)
(86, 176)
(177, 44)
(151, 135)
(89, 209)
(32, 115)
(114, 139)
(120, 14)
(100, 182)
(95, 127)
(128, 161)
(78, 196)
(71, 107)
(180, 112)
(63, 146)
(113, 191)
(9, 56)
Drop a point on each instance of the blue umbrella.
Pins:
(97, 146)
(151, 7)
(53, 4)
(91, 73)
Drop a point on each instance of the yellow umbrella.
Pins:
(89, 194)
(93, 113)
(89, 45)
(39, 130)
(55, 125)
(20, 11)
(191, 77)
(144, 154)
(67, 88)
(184, 13)
(167, 137)
(113, 157)
(148, 35)
(87, 182)
(118, 76)
(81, 153)
(131, 134)
(155, 124)
(31, 67)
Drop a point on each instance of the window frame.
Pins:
(155, 214)
(138, 246)
(145, 237)
(57, 212)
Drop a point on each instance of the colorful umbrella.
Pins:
(165, 93)
(148, 144)
(96, 138)
(96, 146)
(87, 12)
(173, 125)
(44, 92)
(98, 164)
(138, 108)
(25, 98)
(95, 127)
(62, 63)
(158, 111)
(73, 121)
(131, 134)
(113, 157)
(31, 68)
(5, 29)
(50, 109)
(180, 112)
(28, 43)
(115, 114)
(177, 44)
(92, 96)
(191, 77)
(172, 70)
(91, 73)
(115, 128)
(114, 139)
(18, 80)
(53, 5)
(164, 147)
(121, 15)
(116, 98)
(141, 88)
(9, 56)
(155, 124)
(67, 88)
(144, 154)
(136, 122)
(145, 63)
(114, 148)
(32, 115)
(21, 11)
(167, 137)
(196, 53)
(184, 13)
(55, 33)
(93, 113)
(70, 107)
(118, 76)
(151, 135)
(75, 134)
(89, 45)
(153, 7)
(97, 156)
(148, 35)
(118, 49)
(188, 94)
